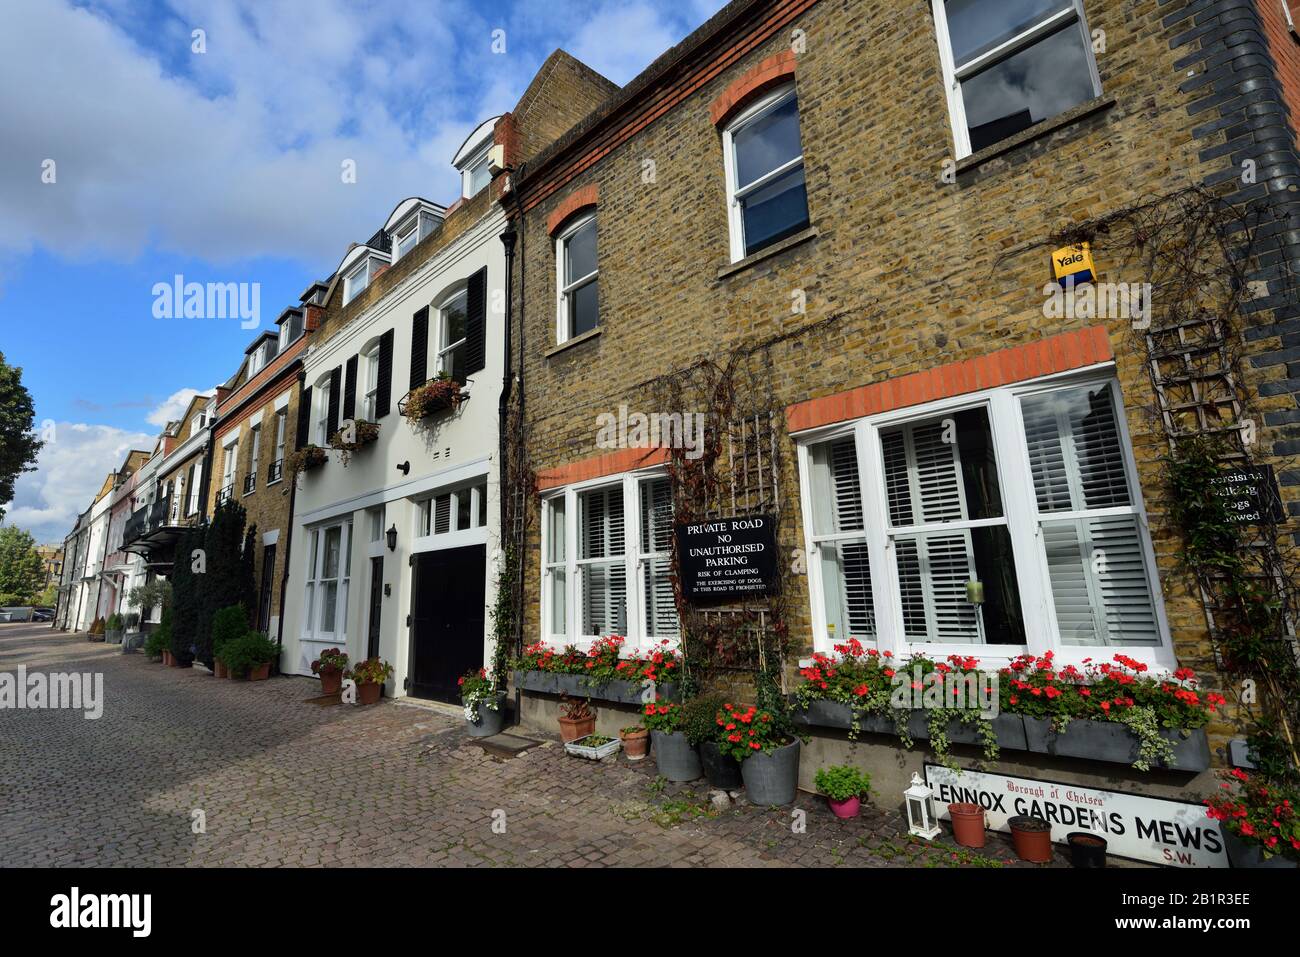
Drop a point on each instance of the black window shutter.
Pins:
(304, 415)
(332, 424)
(476, 322)
(385, 374)
(419, 347)
(350, 389)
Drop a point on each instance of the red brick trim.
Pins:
(777, 68)
(312, 317)
(506, 134)
(1059, 353)
(611, 463)
(661, 96)
(575, 201)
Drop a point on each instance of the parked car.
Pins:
(42, 614)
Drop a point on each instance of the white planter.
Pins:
(592, 753)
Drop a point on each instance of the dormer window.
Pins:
(290, 328)
(406, 241)
(359, 277)
(477, 175)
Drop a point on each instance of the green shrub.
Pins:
(700, 717)
(229, 624)
(156, 643)
(839, 782)
(114, 622)
(247, 652)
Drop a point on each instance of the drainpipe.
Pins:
(507, 380)
(509, 238)
(288, 536)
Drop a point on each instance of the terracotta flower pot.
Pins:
(331, 682)
(260, 672)
(1032, 838)
(169, 659)
(967, 824)
(219, 669)
(847, 808)
(571, 729)
(636, 745)
(369, 693)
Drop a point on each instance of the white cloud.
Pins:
(173, 407)
(70, 470)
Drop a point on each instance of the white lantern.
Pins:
(920, 809)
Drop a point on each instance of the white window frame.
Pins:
(193, 491)
(426, 538)
(444, 348)
(636, 640)
(254, 455)
(736, 193)
(479, 161)
(281, 428)
(314, 582)
(350, 278)
(407, 231)
(229, 467)
(955, 73)
(288, 335)
(322, 399)
(370, 374)
(1021, 519)
(563, 291)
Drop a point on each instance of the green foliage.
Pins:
(700, 717)
(156, 642)
(839, 782)
(150, 595)
(18, 442)
(371, 671)
(249, 651)
(114, 622)
(228, 573)
(185, 591)
(228, 625)
(22, 572)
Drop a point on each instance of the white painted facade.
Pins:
(455, 452)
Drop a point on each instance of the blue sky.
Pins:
(224, 165)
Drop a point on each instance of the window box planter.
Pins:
(305, 459)
(592, 752)
(363, 433)
(1009, 728)
(580, 686)
(436, 395)
(1114, 743)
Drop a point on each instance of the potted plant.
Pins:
(485, 706)
(698, 722)
(676, 759)
(636, 742)
(767, 752)
(97, 630)
(577, 718)
(967, 824)
(1086, 849)
(370, 676)
(304, 460)
(593, 747)
(346, 441)
(250, 656)
(1032, 837)
(1258, 820)
(229, 625)
(113, 629)
(330, 666)
(436, 395)
(844, 787)
(155, 645)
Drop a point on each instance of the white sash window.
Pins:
(607, 552)
(329, 573)
(988, 525)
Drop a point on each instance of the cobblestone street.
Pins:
(283, 782)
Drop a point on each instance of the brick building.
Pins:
(829, 226)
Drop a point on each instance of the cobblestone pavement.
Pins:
(283, 782)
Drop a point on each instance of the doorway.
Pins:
(376, 606)
(447, 619)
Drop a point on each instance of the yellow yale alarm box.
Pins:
(1073, 264)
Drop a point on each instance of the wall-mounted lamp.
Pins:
(391, 535)
(404, 467)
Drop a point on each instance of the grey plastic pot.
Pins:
(772, 777)
(676, 758)
(720, 770)
(1243, 854)
(490, 721)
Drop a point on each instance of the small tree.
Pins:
(18, 443)
(222, 584)
(22, 572)
(185, 593)
(248, 575)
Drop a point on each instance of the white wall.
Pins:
(458, 447)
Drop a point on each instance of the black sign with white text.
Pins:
(1251, 495)
(728, 558)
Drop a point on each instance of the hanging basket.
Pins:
(436, 395)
